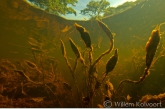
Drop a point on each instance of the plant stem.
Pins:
(141, 79)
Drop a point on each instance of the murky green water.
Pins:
(31, 35)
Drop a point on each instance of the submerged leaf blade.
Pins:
(151, 46)
(105, 28)
(74, 48)
(63, 48)
(112, 62)
(84, 35)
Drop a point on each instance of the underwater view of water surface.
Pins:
(116, 58)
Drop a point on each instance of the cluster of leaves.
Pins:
(102, 8)
(56, 6)
(120, 8)
(94, 9)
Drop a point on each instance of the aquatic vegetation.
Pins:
(94, 82)
(111, 62)
(151, 46)
(14, 80)
(156, 98)
(105, 28)
(109, 89)
(38, 80)
(84, 35)
(75, 48)
(87, 66)
(63, 49)
(67, 28)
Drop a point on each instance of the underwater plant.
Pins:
(93, 82)
(38, 82)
